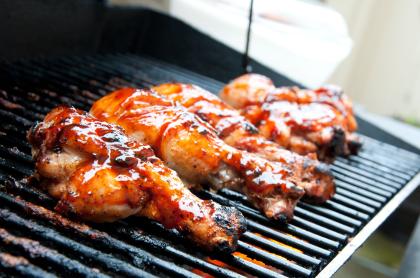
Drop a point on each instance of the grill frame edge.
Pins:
(345, 254)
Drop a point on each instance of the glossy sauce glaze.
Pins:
(238, 132)
(191, 146)
(301, 120)
(207, 106)
(330, 97)
(101, 174)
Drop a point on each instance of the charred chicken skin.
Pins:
(236, 131)
(192, 148)
(99, 173)
(303, 121)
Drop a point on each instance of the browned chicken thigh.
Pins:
(99, 173)
(301, 120)
(235, 130)
(192, 148)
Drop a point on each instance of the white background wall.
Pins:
(383, 71)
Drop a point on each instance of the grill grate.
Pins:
(35, 241)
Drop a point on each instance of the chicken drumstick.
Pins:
(191, 147)
(102, 175)
(238, 132)
(303, 121)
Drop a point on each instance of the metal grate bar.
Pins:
(300, 210)
(360, 163)
(384, 148)
(332, 214)
(371, 193)
(273, 247)
(353, 204)
(60, 222)
(147, 239)
(47, 234)
(359, 198)
(274, 260)
(135, 235)
(139, 258)
(259, 271)
(20, 266)
(293, 229)
(46, 256)
(122, 229)
(368, 174)
(363, 179)
(385, 161)
(358, 184)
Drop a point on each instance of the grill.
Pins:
(35, 241)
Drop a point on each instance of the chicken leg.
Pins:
(99, 173)
(303, 121)
(192, 148)
(236, 131)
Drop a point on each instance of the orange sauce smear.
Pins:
(245, 257)
(218, 263)
(257, 262)
(254, 261)
(280, 243)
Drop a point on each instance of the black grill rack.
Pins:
(37, 242)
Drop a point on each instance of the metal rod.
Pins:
(361, 163)
(128, 232)
(138, 256)
(362, 171)
(365, 190)
(300, 221)
(273, 260)
(246, 67)
(153, 242)
(348, 180)
(47, 256)
(359, 198)
(352, 203)
(106, 261)
(21, 267)
(331, 214)
(365, 175)
(356, 177)
(346, 210)
(293, 229)
(257, 270)
(282, 250)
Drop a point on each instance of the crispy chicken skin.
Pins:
(301, 120)
(192, 148)
(314, 176)
(99, 173)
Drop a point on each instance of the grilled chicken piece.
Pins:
(303, 121)
(191, 147)
(235, 130)
(100, 174)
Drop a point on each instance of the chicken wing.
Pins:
(192, 148)
(303, 121)
(100, 174)
(235, 130)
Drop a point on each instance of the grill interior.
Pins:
(36, 241)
